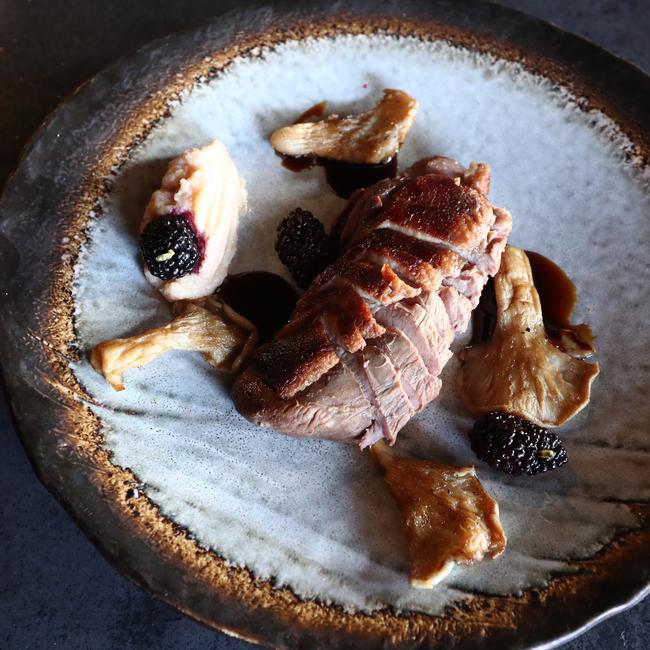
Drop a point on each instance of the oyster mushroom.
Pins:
(449, 517)
(373, 137)
(519, 370)
(224, 337)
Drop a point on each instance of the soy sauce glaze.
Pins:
(316, 110)
(298, 163)
(343, 177)
(265, 299)
(557, 295)
(484, 317)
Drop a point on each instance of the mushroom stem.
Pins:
(224, 337)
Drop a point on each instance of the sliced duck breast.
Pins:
(377, 325)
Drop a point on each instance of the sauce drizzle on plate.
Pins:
(266, 299)
(558, 296)
(343, 177)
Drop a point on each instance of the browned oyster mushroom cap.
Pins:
(519, 370)
(449, 517)
(372, 137)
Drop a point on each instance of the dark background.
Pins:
(55, 589)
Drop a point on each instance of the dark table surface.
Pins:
(55, 588)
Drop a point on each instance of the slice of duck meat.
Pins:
(476, 176)
(419, 263)
(291, 363)
(498, 238)
(502, 225)
(473, 276)
(488, 257)
(363, 205)
(469, 282)
(419, 325)
(334, 407)
(437, 209)
(380, 382)
(416, 252)
(458, 308)
(377, 283)
(438, 317)
(346, 315)
(393, 405)
(367, 203)
(478, 249)
(337, 318)
(418, 383)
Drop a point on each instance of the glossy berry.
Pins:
(303, 246)
(170, 247)
(516, 446)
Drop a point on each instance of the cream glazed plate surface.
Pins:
(290, 541)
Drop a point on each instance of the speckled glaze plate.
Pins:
(296, 543)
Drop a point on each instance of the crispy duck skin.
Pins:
(366, 343)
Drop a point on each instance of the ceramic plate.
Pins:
(293, 542)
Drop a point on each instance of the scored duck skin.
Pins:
(366, 342)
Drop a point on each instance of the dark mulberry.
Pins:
(516, 446)
(303, 246)
(170, 247)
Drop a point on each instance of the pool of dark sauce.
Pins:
(343, 177)
(316, 110)
(484, 317)
(558, 296)
(265, 299)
